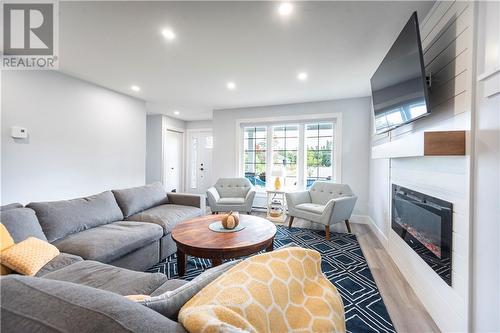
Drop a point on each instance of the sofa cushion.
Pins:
(231, 201)
(62, 260)
(169, 285)
(106, 277)
(312, 208)
(21, 224)
(41, 305)
(111, 241)
(170, 302)
(135, 199)
(167, 216)
(61, 218)
(10, 206)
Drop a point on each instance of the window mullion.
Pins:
(269, 154)
(301, 159)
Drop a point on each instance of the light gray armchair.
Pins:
(325, 203)
(231, 194)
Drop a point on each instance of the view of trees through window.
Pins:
(285, 150)
(319, 142)
(255, 143)
(303, 151)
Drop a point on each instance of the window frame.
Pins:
(244, 150)
(301, 120)
(319, 137)
(271, 130)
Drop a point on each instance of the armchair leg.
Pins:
(327, 232)
(348, 226)
(290, 222)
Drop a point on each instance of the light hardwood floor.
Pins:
(406, 310)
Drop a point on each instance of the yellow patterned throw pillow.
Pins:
(29, 256)
(6, 241)
(280, 291)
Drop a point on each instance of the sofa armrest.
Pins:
(296, 198)
(186, 199)
(342, 209)
(61, 261)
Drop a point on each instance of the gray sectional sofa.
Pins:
(128, 228)
(104, 240)
(87, 296)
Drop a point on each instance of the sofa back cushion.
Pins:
(10, 206)
(233, 187)
(41, 305)
(136, 199)
(118, 280)
(321, 192)
(21, 224)
(168, 303)
(61, 218)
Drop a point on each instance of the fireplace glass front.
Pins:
(425, 223)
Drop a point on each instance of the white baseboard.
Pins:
(380, 235)
(361, 219)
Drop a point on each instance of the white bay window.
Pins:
(306, 151)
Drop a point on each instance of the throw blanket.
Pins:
(280, 291)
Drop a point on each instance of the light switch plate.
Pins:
(19, 132)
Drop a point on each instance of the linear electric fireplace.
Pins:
(425, 223)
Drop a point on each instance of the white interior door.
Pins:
(200, 146)
(173, 161)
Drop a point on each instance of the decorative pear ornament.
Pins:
(231, 220)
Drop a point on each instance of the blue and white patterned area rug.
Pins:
(344, 265)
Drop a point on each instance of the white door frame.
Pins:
(182, 131)
(188, 151)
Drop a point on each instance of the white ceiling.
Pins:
(339, 44)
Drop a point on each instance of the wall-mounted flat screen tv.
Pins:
(399, 87)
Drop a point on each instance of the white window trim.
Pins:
(337, 148)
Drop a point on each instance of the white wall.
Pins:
(83, 139)
(486, 235)
(355, 139)
(447, 34)
(156, 128)
(379, 195)
(197, 124)
(154, 148)
(173, 123)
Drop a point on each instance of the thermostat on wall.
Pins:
(19, 132)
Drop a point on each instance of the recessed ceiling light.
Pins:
(168, 34)
(135, 88)
(176, 112)
(302, 76)
(285, 8)
(231, 85)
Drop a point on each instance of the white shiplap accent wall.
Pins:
(447, 39)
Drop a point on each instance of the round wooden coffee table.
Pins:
(193, 237)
